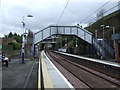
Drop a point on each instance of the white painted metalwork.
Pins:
(69, 30)
(63, 30)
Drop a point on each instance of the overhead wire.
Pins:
(62, 12)
(104, 13)
(95, 11)
(87, 16)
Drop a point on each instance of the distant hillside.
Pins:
(112, 19)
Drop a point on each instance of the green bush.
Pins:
(18, 39)
(16, 46)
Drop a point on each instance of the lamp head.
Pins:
(102, 25)
(29, 16)
(107, 27)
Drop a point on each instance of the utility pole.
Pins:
(76, 43)
(103, 27)
(96, 33)
(24, 38)
(23, 41)
(61, 43)
(66, 44)
(113, 28)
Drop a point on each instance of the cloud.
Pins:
(45, 12)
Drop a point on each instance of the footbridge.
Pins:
(63, 30)
(69, 30)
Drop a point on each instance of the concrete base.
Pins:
(117, 50)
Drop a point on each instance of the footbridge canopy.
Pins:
(63, 30)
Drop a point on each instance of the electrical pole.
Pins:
(23, 41)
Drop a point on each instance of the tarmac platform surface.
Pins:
(18, 75)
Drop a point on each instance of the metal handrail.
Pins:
(53, 30)
(99, 48)
(107, 47)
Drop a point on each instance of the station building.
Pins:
(116, 37)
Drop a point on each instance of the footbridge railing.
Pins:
(63, 30)
(68, 30)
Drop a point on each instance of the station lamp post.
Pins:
(61, 43)
(96, 33)
(76, 43)
(103, 28)
(113, 30)
(24, 38)
(66, 43)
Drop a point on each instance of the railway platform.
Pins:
(106, 62)
(19, 76)
(47, 74)
(52, 77)
(87, 72)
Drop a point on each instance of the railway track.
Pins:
(90, 78)
(107, 69)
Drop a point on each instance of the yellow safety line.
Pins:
(39, 81)
(47, 79)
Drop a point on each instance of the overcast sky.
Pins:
(46, 12)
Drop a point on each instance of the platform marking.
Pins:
(39, 81)
(47, 80)
(94, 60)
(66, 81)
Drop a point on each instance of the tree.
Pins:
(16, 46)
(10, 34)
(6, 35)
(100, 14)
(18, 38)
(15, 34)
